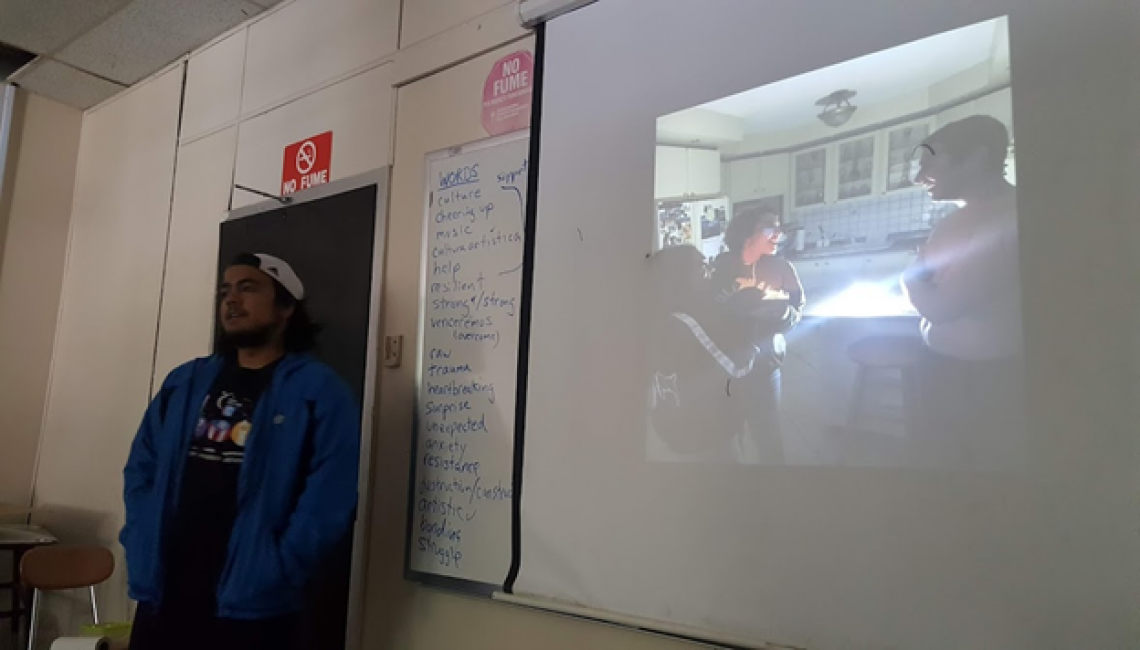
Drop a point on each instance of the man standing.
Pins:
(242, 476)
(966, 285)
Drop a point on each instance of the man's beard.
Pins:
(247, 339)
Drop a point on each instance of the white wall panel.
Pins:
(201, 196)
(213, 86)
(357, 110)
(312, 41)
(105, 343)
(425, 18)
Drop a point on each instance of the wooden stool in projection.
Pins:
(881, 359)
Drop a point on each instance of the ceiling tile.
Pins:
(149, 34)
(43, 25)
(65, 84)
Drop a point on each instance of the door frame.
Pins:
(381, 178)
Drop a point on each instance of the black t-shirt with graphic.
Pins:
(198, 545)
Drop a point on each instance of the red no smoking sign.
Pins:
(507, 92)
(306, 163)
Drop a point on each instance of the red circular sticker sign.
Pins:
(507, 93)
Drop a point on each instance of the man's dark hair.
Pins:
(743, 226)
(300, 331)
(959, 139)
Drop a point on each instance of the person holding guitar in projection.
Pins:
(755, 281)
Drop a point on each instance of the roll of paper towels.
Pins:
(80, 643)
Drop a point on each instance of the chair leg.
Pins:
(35, 619)
(94, 605)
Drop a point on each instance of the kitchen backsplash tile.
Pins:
(870, 220)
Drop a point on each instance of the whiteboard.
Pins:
(459, 522)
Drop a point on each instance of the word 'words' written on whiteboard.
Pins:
(460, 524)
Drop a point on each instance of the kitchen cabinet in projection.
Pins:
(757, 178)
(683, 172)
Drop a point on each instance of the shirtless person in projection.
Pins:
(966, 285)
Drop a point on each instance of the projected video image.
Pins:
(836, 279)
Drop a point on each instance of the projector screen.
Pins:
(849, 293)
(837, 369)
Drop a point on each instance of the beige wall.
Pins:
(37, 207)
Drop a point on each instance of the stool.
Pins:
(876, 355)
(56, 568)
